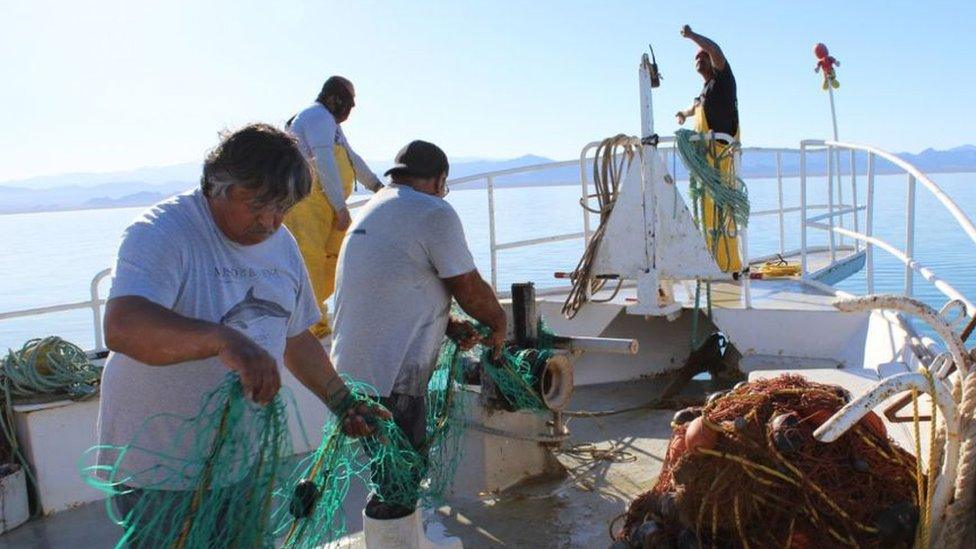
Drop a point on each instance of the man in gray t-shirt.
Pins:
(207, 283)
(403, 260)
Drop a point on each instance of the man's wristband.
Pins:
(340, 401)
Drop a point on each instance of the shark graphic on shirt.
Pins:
(252, 309)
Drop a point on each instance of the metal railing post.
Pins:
(491, 232)
(743, 242)
(779, 189)
(830, 201)
(584, 192)
(803, 209)
(97, 308)
(869, 225)
(840, 194)
(910, 235)
(857, 228)
(746, 280)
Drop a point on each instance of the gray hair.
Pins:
(258, 157)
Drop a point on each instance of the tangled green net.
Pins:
(517, 374)
(225, 480)
(316, 492)
(215, 487)
(445, 421)
(728, 191)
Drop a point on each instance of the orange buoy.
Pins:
(818, 417)
(699, 436)
(872, 422)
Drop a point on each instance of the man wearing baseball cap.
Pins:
(403, 261)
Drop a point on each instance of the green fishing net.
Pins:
(310, 514)
(518, 374)
(445, 421)
(213, 487)
(225, 481)
(727, 190)
(308, 511)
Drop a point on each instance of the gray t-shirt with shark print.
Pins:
(176, 256)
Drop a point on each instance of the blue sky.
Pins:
(109, 85)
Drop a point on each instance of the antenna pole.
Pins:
(646, 102)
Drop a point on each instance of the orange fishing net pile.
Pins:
(745, 471)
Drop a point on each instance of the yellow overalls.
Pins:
(311, 222)
(726, 250)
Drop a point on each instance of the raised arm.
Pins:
(711, 48)
(157, 336)
(477, 299)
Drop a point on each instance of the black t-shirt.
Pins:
(719, 100)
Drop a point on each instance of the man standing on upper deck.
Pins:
(320, 221)
(716, 109)
(404, 260)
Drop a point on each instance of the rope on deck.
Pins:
(49, 367)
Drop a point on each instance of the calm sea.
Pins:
(50, 258)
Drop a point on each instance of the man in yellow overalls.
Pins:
(716, 109)
(319, 222)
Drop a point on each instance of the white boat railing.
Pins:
(868, 238)
(837, 212)
(94, 303)
(490, 178)
(832, 221)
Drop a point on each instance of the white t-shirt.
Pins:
(316, 130)
(392, 307)
(176, 256)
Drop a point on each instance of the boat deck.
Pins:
(572, 511)
(787, 293)
(608, 460)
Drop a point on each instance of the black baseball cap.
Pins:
(421, 159)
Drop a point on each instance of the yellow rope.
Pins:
(738, 523)
(933, 453)
(789, 534)
(206, 477)
(814, 495)
(772, 269)
(925, 483)
(820, 492)
(316, 466)
(747, 463)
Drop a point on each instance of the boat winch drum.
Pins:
(554, 382)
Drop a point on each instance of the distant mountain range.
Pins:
(146, 186)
